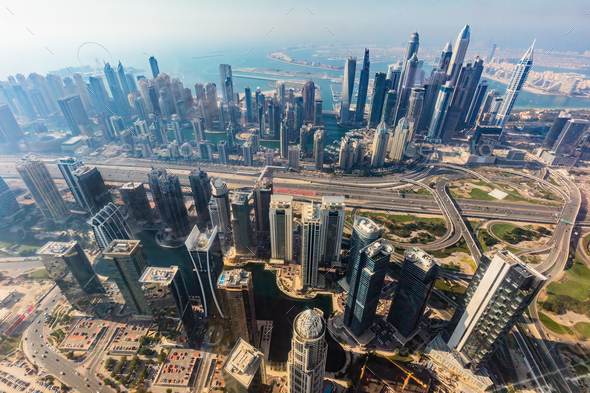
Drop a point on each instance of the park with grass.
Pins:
(479, 190)
(569, 293)
(513, 234)
(411, 228)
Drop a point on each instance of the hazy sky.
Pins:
(128, 28)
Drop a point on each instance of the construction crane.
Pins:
(362, 373)
(409, 375)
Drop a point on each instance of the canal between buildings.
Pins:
(270, 302)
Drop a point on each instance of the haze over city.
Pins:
(267, 197)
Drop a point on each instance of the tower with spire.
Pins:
(445, 57)
(519, 76)
(458, 55)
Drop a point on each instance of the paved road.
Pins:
(53, 363)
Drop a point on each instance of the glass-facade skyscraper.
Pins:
(366, 283)
(416, 282)
(40, 184)
(205, 252)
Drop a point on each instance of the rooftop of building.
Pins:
(83, 335)
(121, 247)
(159, 275)
(127, 337)
(379, 247)
(56, 248)
(231, 278)
(333, 202)
(310, 212)
(240, 197)
(366, 225)
(522, 266)
(242, 362)
(421, 258)
(131, 185)
(281, 201)
(310, 324)
(178, 367)
(200, 241)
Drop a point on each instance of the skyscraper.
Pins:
(570, 136)
(377, 99)
(220, 194)
(127, 262)
(380, 143)
(365, 286)
(489, 109)
(440, 111)
(445, 57)
(416, 104)
(308, 100)
(388, 115)
(154, 67)
(82, 91)
(136, 201)
(93, 189)
(311, 245)
(248, 103)
(498, 294)
(67, 166)
(458, 56)
(364, 232)
(306, 365)
(204, 249)
(400, 139)
(411, 50)
(416, 282)
(318, 119)
(262, 197)
(68, 265)
(123, 80)
(406, 86)
(8, 203)
(227, 89)
(40, 184)
(241, 224)
(432, 89)
(347, 88)
(465, 90)
(479, 96)
(109, 224)
(294, 153)
(236, 295)
(318, 149)
(10, 131)
(519, 77)
(167, 195)
(363, 86)
(284, 141)
(281, 227)
(332, 212)
(555, 130)
(116, 91)
(223, 152)
(165, 291)
(346, 156)
(244, 369)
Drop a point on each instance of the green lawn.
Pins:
(8, 344)
(460, 246)
(444, 286)
(583, 328)
(501, 229)
(554, 326)
(571, 292)
(486, 240)
(41, 273)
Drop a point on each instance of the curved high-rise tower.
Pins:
(519, 76)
